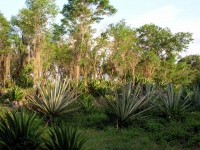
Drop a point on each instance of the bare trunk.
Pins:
(4, 68)
(133, 75)
(77, 69)
(37, 57)
(37, 69)
(95, 69)
(100, 72)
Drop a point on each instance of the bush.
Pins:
(127, 105)
(19, 131)
(87, 103)
(172, 104)
(15, 94)
(25, 79)
(65, 138)
(100, 87)
(55, 98)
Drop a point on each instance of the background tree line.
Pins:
(33, 47)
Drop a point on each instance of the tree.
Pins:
(194, 62)
(124, 51)
(79, 15)
(176, 73)
(5, 49)
(31, 23)
(160, 49)
(58, 56)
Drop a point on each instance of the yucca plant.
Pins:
(128, 104)
(196, 96)
(149, 90)
(65, 138)
(54, 98)
(171, 103)
(19, 131)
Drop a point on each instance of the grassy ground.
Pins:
(148, 134)
(154, 134)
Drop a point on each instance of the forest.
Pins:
(68, 86)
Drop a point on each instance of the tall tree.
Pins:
(124, 51)
(79, 15)
(162, 45)
(194, 62)
(32, 23)
(5, 49)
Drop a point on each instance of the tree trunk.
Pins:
(4, 68)
(37, 69)
(77, 69)
(133, 75)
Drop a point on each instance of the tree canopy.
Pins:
(40, 48)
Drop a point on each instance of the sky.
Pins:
(177, 15)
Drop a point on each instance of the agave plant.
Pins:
(128, 104)
(149, 90)
(172, 104)
(54, 98)
(65, 138)
(19, 131)
(196, 95)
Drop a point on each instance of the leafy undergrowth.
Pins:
(153, 133)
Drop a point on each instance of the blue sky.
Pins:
(178, 15)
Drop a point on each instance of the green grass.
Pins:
(155, 133)
(123, 139)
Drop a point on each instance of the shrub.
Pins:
(19, 131)
(87, 104)
(99, 87)
(25, 79)
(172, 104)
(196, 96)
(15, 94)
(65, 138)
(128, 104)
(54, 99)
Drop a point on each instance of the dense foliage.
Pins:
(20, 131)
(41, 49)
(132, 78)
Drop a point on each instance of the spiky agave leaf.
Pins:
(127, 104)
(172, 103)
(65, 138)
(54, 98)
(196, 95)
(20, 131)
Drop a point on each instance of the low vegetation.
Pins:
(133, 117)
(54, 98)
(19, 130)
(125, 88)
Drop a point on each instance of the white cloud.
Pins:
(191, 26)
(168, 16)
(159, 16)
